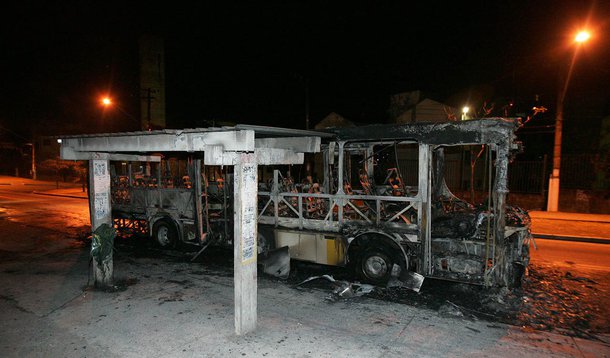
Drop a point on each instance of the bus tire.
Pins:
(375, 265)
(165, 234)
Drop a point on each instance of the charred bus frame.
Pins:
(374, 227)
(423, 228)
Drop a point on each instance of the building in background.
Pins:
(334, 120)
(411, 107)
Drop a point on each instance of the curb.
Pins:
(578, 219)
(594, 240)
(64, 195)
(597, 218)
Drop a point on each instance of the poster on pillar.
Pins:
(101, 205)
(248, 214)
(101, 185)
(101, 177)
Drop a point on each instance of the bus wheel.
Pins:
(375, 265)
(165, 234)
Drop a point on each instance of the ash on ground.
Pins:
(551, 298)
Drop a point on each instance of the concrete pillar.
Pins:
(100, 209)
(553, 195)
(244, 244)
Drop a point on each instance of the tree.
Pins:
(63, 169)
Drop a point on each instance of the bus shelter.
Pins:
(244, 147)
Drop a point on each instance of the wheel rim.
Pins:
(375, 267)
(163, 236)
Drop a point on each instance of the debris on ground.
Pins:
(450, 309)
(407, 279)
(343, 289)
(276, 262)
(554, 299)
(550, 299)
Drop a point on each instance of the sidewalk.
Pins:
(593, 228)
(66, 192)
(558, 215)
(19, 181)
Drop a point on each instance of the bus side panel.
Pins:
(312, 247)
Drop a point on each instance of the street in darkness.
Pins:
(163, 304)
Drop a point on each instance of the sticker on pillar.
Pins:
(101, 205)
(248, 188)
(101, 178)
(248, 237)
(248, 179)
(99, 168)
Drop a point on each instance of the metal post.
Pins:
(501, 259)
(542, 175)
(274, 195)
(33, 162)
(198, 195)
(57, 173)
(340, 191)
(424, 215)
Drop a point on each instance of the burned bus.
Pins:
(373, 200)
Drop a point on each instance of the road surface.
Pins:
(578, 255)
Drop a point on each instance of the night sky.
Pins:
(251, 62)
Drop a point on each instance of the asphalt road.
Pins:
(19, 203)
(580, 255)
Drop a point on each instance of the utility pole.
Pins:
(148, 97)
(306, 103)
(553, 195)
(33, 170)
(152, 82)
(33, 162)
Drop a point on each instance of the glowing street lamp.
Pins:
(106, 101)
(465, 111)
(553, 197)
(582, 36)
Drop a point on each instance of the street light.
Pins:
(107, 102)
(465, 111)
(553, 197)
(582, 36)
